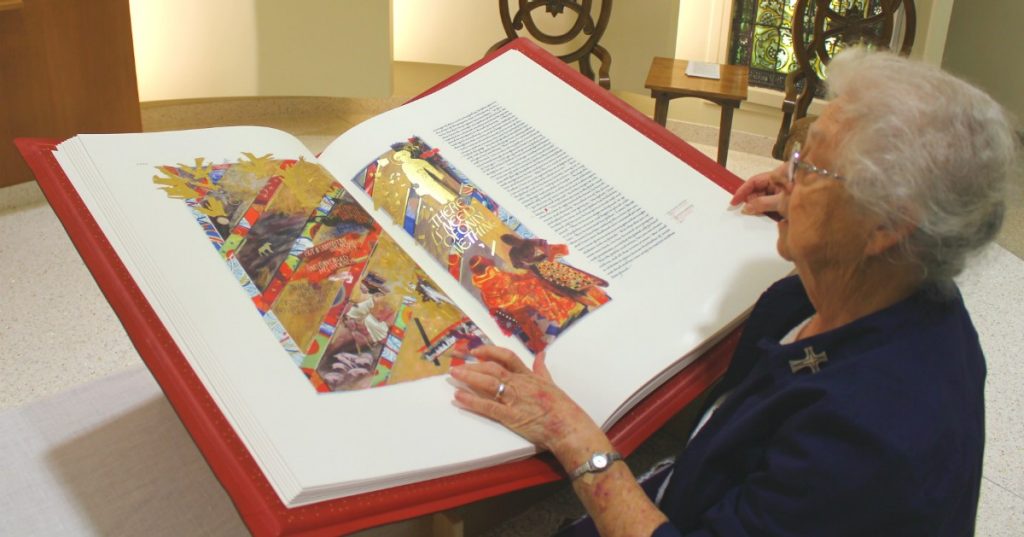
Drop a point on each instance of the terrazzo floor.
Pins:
(69, 375)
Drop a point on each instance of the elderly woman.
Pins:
(853, 404)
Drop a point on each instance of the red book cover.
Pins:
(258, 505)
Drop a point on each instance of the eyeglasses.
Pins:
(795, 163)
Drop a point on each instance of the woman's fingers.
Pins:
(762, 204)
(540, 365)
(489, 408)
(482, 380)
(753, 187)
(763, 184)
(500, 387)
(504, 357)
(489, 368)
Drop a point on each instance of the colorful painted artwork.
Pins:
(346, 303)
(521, 279)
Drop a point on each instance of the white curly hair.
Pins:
(925, 147)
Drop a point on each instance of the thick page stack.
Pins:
(321, 300)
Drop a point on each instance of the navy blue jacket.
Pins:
(886, 439)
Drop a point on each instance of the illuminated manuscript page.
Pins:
(680, 266)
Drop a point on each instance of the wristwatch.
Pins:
(598, 462)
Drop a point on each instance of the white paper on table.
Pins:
(703, 70)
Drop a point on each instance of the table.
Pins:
(667, 80)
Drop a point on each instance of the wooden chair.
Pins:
(585, 24)
(816, 29)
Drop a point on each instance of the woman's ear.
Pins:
(887, 235)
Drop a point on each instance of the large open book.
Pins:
(320, 300)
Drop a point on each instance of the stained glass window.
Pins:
(762, 36)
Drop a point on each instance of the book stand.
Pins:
(234, 467)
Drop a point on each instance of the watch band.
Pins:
(597, 463)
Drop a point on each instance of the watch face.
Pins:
(600, 461)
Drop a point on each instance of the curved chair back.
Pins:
(819, 32)
(522, 24)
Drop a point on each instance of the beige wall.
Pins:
(451, 32)
(186, 49)
(639, 31)
(194, 48)
(983, 44)
(703, 30)
(336, 48)
(932, 24)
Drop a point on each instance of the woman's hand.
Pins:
(531, 405)
(761, 193)
(536, 409)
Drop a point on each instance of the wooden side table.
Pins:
(667, 80)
